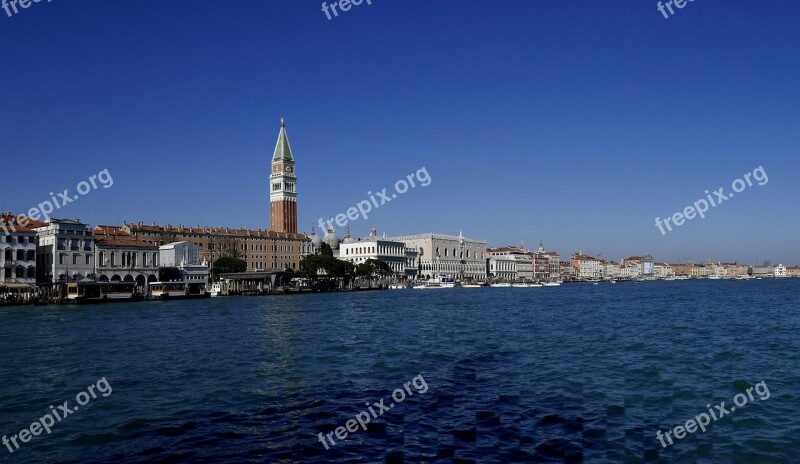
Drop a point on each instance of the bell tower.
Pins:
(283, 187)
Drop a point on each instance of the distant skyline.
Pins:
(572, 123)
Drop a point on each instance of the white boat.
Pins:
(501, 285)
(715, 277)
(551, 284)
(216, 290)
(520, 285)
(472, 286)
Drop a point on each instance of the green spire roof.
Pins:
(282, 149)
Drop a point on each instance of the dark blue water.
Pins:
(579, 373)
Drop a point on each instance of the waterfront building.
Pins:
(763, 271)
(17, 256)
(630, 271)
(501, 263)
(735, 269)
(391, 252)
(700, 271)
(715, 270)
(553, 263)
(567, 271)
(121, 258)
(588, 267)
(412, 264)
(681, 269)
(645, 264)
(780, 271)
(65, 251)
(663, 270)
(448, 254)
(793, 271)
(262, 250)
(611, 270)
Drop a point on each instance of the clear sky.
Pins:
(573, 122)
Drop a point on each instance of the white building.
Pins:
(780, 271)
(17, 255)
(184, 256)
(65, 251)
(663, 270)
(391, 252)
(610, 270)
(121, 258)
(589, 268)
(447, 254)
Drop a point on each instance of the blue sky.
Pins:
(572, 122)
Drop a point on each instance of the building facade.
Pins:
(447, 254)
(391, 252)
(262, 250)
(65, 251)
(588, 267)
(17, 255)
(121, 258)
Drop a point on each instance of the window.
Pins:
(75, 258)
(88, 259)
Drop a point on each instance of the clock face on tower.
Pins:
(288, 169)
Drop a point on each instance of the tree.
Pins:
(227, 265)
(311, 265)
(326, 250)
(373, 268)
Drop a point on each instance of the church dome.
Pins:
(347, 237)
(331, 239)
(316, 240)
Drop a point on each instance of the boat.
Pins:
(216, 290)
(501, 285)
(101, 292)
(178, 290)
(536, 285)
(520, 285)
(397, 286)
(472, 285)
(447, 281)
(551, 284)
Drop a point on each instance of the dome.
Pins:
(316, 240)
(331, 239)
(347, 237)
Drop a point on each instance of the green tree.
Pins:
(310, 266)
(227, 265)
(326, 250)
(374, 268)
